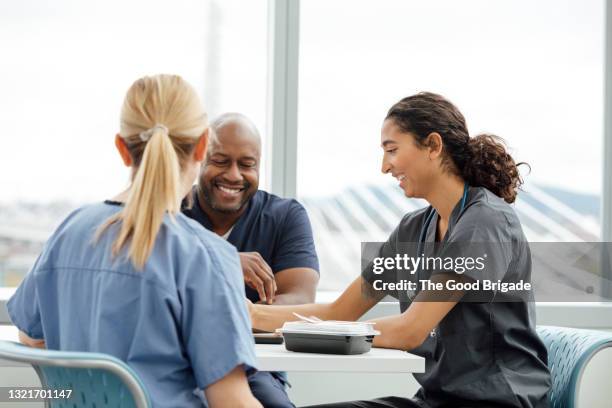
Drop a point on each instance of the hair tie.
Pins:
(146, 135)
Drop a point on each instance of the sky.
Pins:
(529, 71)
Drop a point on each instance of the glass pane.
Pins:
(66, 66)
(530, 72)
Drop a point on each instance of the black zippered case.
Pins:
(328, 343)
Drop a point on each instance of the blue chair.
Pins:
(569, 351)
(97, 380)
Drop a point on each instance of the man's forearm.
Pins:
(296, 286)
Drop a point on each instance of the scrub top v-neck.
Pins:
(276, 228)
(482, 353)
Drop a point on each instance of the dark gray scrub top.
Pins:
(484, 354)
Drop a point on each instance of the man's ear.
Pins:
(201, 147)
(123, 150)
(434, 144)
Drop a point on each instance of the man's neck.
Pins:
(221, 222)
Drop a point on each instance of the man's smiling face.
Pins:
(230, 173)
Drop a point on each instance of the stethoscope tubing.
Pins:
(423, 235)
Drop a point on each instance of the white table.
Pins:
(274, 357)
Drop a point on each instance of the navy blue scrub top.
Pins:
(181, 322)
(484, 354)
(277, 228)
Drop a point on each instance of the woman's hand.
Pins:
(251, 308)
(349, 306)
(28, 341)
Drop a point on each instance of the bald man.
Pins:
(273, 235)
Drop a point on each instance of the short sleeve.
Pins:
(23, 307)
(370, 251)
(382, 277)
(295, 247)
(215, 324)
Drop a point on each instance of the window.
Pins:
(530, 72)
(66, 67)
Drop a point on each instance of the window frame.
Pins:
(284, 29)
(283, 77)
(606, 204)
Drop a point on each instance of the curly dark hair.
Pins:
(482, 161)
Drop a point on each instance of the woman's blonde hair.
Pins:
(162, 120)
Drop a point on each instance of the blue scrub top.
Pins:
(180, 323)
(278, 228)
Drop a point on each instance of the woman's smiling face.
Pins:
(406, 160)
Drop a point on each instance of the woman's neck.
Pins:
(122, 196)
(445, 196)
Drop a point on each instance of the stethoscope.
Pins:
(423, 238)
(423, 235)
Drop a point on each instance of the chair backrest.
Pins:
(96, 380)
(569, 351)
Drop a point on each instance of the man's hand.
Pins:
(258, 275)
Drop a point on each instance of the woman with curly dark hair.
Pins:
(479, 342)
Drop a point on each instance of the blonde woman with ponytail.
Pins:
(134, 278)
